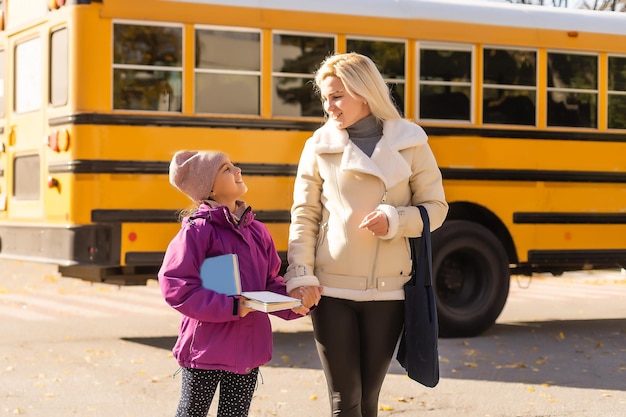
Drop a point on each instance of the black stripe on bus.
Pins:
(171, 216)
(588, 136)
(609, 258)
(532, 175)
(183, 121)
(145, 259)
(99, 166)
(569, 218)
(310, 125)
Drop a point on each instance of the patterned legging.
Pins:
(199, 386)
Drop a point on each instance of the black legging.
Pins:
(199, 386)
(355, 342)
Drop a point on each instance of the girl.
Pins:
(221, 341)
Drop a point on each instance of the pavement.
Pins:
(74, 348)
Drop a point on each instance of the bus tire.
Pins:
(471, 278)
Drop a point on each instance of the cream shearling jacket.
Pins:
(336, 186)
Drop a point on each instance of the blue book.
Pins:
(221, 274)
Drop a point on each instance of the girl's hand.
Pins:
(243, 310)
(302, 310)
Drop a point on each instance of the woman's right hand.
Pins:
(309, 295)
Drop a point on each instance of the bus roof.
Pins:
(500, 14)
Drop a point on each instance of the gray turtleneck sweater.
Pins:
(365, 134)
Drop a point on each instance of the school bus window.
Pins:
(28, 76)
(509, 86)
(617, 92)
(3, 76)
(445, 84)
(295, 59)
(58, 68)
(26, 177)
(572, 90)
(227, 72)
(147, 67)
(391, 60)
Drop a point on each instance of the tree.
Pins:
(555, 3)
(610, 5)
(613, 5)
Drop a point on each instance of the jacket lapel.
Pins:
(386, 163)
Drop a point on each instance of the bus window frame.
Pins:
(613, 93)
(149, 68)
(296, 75)
(390, 81)
(451, 46)
(52, 85)
(3, 84)
(568, 90)
(37, 83)
(246, 73)
(509, 87)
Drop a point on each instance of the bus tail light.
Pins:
(53, 182)
(59, 140)
(63, 140)
(55, 4)
(53, 141)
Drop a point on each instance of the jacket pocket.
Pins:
(321, 236)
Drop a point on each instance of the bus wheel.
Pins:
(470, 276)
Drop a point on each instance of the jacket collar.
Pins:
(386, 162)
(214, 212)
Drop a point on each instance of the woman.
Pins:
(360, 178)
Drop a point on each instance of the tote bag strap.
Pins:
(425, 254)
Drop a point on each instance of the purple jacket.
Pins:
(212, 335)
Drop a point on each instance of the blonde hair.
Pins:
(360, 76)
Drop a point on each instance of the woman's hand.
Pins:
(376, 222)
(309, 295)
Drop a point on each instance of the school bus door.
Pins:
(3, 136)
(25, 128)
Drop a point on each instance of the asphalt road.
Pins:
(74, 348)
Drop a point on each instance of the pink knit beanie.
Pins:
(193, 172)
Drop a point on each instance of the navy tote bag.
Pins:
(418, 348)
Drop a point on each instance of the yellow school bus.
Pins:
(525, 108)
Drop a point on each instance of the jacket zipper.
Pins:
(193, 336)
(372, 284)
